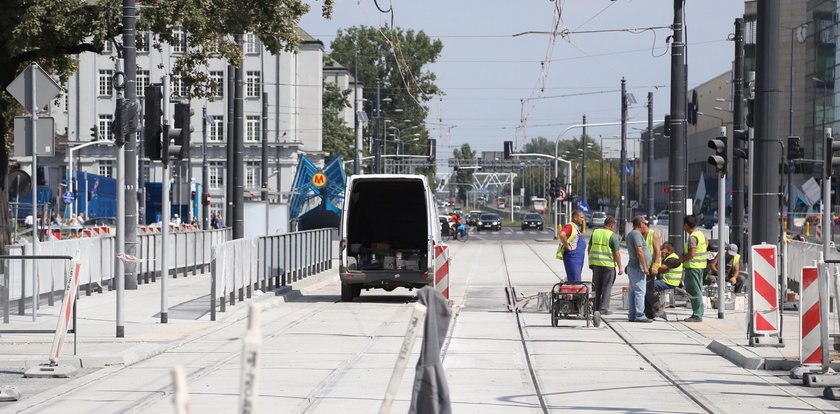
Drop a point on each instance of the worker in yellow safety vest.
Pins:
(604, 256)
(651, 298)
(733, 268)
(694, 264)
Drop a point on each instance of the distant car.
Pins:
(472, 217)
(663, 218)
(532, 221)
(458, 210)
(587, 217)
(101, 221)
(598, 219)
(489, 222)
(445, 225)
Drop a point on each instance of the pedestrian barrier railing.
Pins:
(191, 251)
(801, 254)
(241, 266)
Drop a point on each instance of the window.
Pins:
(253, 128)
(217, 174)
(146, 39)
(179, 41)
(142, 82)
(104, 126)
(252, 44)
(179, 88)
(106, 168)
(218, 77)
(106, 88)
(252, 175)
(109, 47)
(252, 82)
(147, 173)
(216, 130)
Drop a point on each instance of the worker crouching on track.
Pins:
(604, 256)
(572, 248)
(670, 274)
(733, 268)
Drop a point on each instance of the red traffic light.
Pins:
(666, 190)
(207, 199)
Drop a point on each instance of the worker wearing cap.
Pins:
(733, 268)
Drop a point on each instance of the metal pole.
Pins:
(649, 164)
(129, 187)
(738, 124)
(239, 148)
(721, 250)
(623, 162)
(357, 130)
(205, 173)
(678, 167)
(141, 176)
(166, 209)
(229, 177)
(33, 117)
(825, 274)
(377, 144)
(264, 151)
(766, 197)
(583, 142)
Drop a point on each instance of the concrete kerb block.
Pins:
(800, 371)
(813, 380)
(9, 393)
(831, 393)
(50, 371)
(736, 354)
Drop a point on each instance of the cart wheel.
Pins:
(596, 319)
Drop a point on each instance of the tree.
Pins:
(463, 177)
(338, 138)
(51, 32)
(396, 57)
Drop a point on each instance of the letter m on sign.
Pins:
(319, 180)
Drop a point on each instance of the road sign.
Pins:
(584, 207)
(68, 197)
(561, 194)
(319, 180)
(44, 141)
(45, 88)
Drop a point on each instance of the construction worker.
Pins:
(651, 298)
(733, 268)
(670, 273)
(694, 265)
(604, 256)
(571, 250)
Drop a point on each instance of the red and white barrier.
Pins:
(765, 292)
(442, 269)
(66, 311)
(810, 346)
(819, 230)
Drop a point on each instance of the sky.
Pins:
(490, 77)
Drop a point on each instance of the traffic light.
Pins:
(741, 135)
(94, 133)
(120, 125)
(795, 150)
(207, 199)
(177, 140)
(666, 190)
(152, 111)
(552, 188)
(193, 193)
(666, 126)
(831, 158)
(719, 159)
(508, 149)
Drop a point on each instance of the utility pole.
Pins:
(649, 164)
(231, 131)
(677, 168)
(130, 188)
(357, 130)
(205, 173)
(239, 147)
(377, 144)
(766, 197)
(141, 175)
(264, 150)
(738, 124)
(623, 162)
(583, 162)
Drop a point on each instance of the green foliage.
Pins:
(463, 176)
(338, 138)
(398, 62)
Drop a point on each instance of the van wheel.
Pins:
(346, 293)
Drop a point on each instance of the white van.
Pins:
(390, 236)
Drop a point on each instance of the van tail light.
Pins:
(424, 276)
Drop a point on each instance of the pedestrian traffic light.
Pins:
(152, 112)
(94, 133)
(120, 124)
(552, 188)
(508, 149)
(719, 159)
(206, 199)
(832, 159)
(795, 150)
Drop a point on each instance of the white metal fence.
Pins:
(192, 251)
(241, 266)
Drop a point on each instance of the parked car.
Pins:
(598, 219)
(532, 221)
(663, 218)
(489, 221)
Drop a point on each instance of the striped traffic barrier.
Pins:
(810, 348)
(442, 269)
(765, 291)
